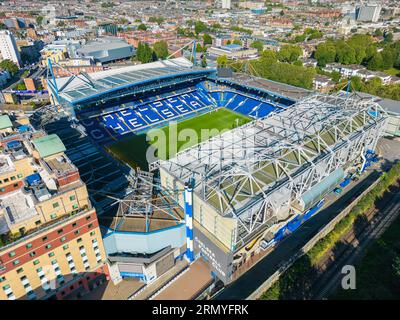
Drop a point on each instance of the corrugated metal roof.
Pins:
(48, 145)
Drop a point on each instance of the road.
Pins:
(253, 278)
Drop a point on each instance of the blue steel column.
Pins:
(188, 198)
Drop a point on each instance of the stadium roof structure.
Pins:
(257, 171)
(78, 89)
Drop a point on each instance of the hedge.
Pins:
(366, 203)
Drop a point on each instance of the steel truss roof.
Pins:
(256, 172)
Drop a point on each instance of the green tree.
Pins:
(388, 37)
(39, 20)
(203, 61)
(345, 54)
(144, 53)
(200, 27)
(396, 266)
(222, 61)
(10, 66)
(289, 53)
(207, 39)
(259, 45)
(161, 49)
(142, 27)
(375, 63)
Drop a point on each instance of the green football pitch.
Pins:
(165, 142)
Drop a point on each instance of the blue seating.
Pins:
(165, 110)
(141, 114)
(263, 110)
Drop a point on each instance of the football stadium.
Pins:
(266, 167)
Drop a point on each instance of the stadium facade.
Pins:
(251, 185)
(249, 182)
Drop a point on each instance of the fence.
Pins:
(307, 247)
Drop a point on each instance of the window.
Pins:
(79, 240)
(44, 239)
(87, 268)
(54, 261)
(20, 175)
(72, 198)
(16, 262)
(6, 287)
(20, 270)
(2, 279)
(92, 233)
(88, 217)
(36, 262)
(94, 240)
(90, 225)
(98, 254)
(38, 222)
(53, 216)
(51, 254)
(63, 239)
(65, 247)
(29, 245)
(55, 205)
(83, 255)
(15, 185)
(11, 254)
(39, 269)
(26, 286)
(6, 180)
(2, 190)
(48, 246)
(23, 278)
(76, 232)
(60, 231)
(81, 247)
(32, 254)
(13, 178)
(74, 225)
(75, 206)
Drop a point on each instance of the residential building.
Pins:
(368, 13)
(51, 244)
(8, 47)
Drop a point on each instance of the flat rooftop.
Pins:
(18, 207)
(60, 164)
(190, 284)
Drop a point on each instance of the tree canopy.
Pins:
(10, 66)
(161, 49)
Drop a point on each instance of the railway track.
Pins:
(378, 222)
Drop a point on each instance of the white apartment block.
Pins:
(8, 47)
